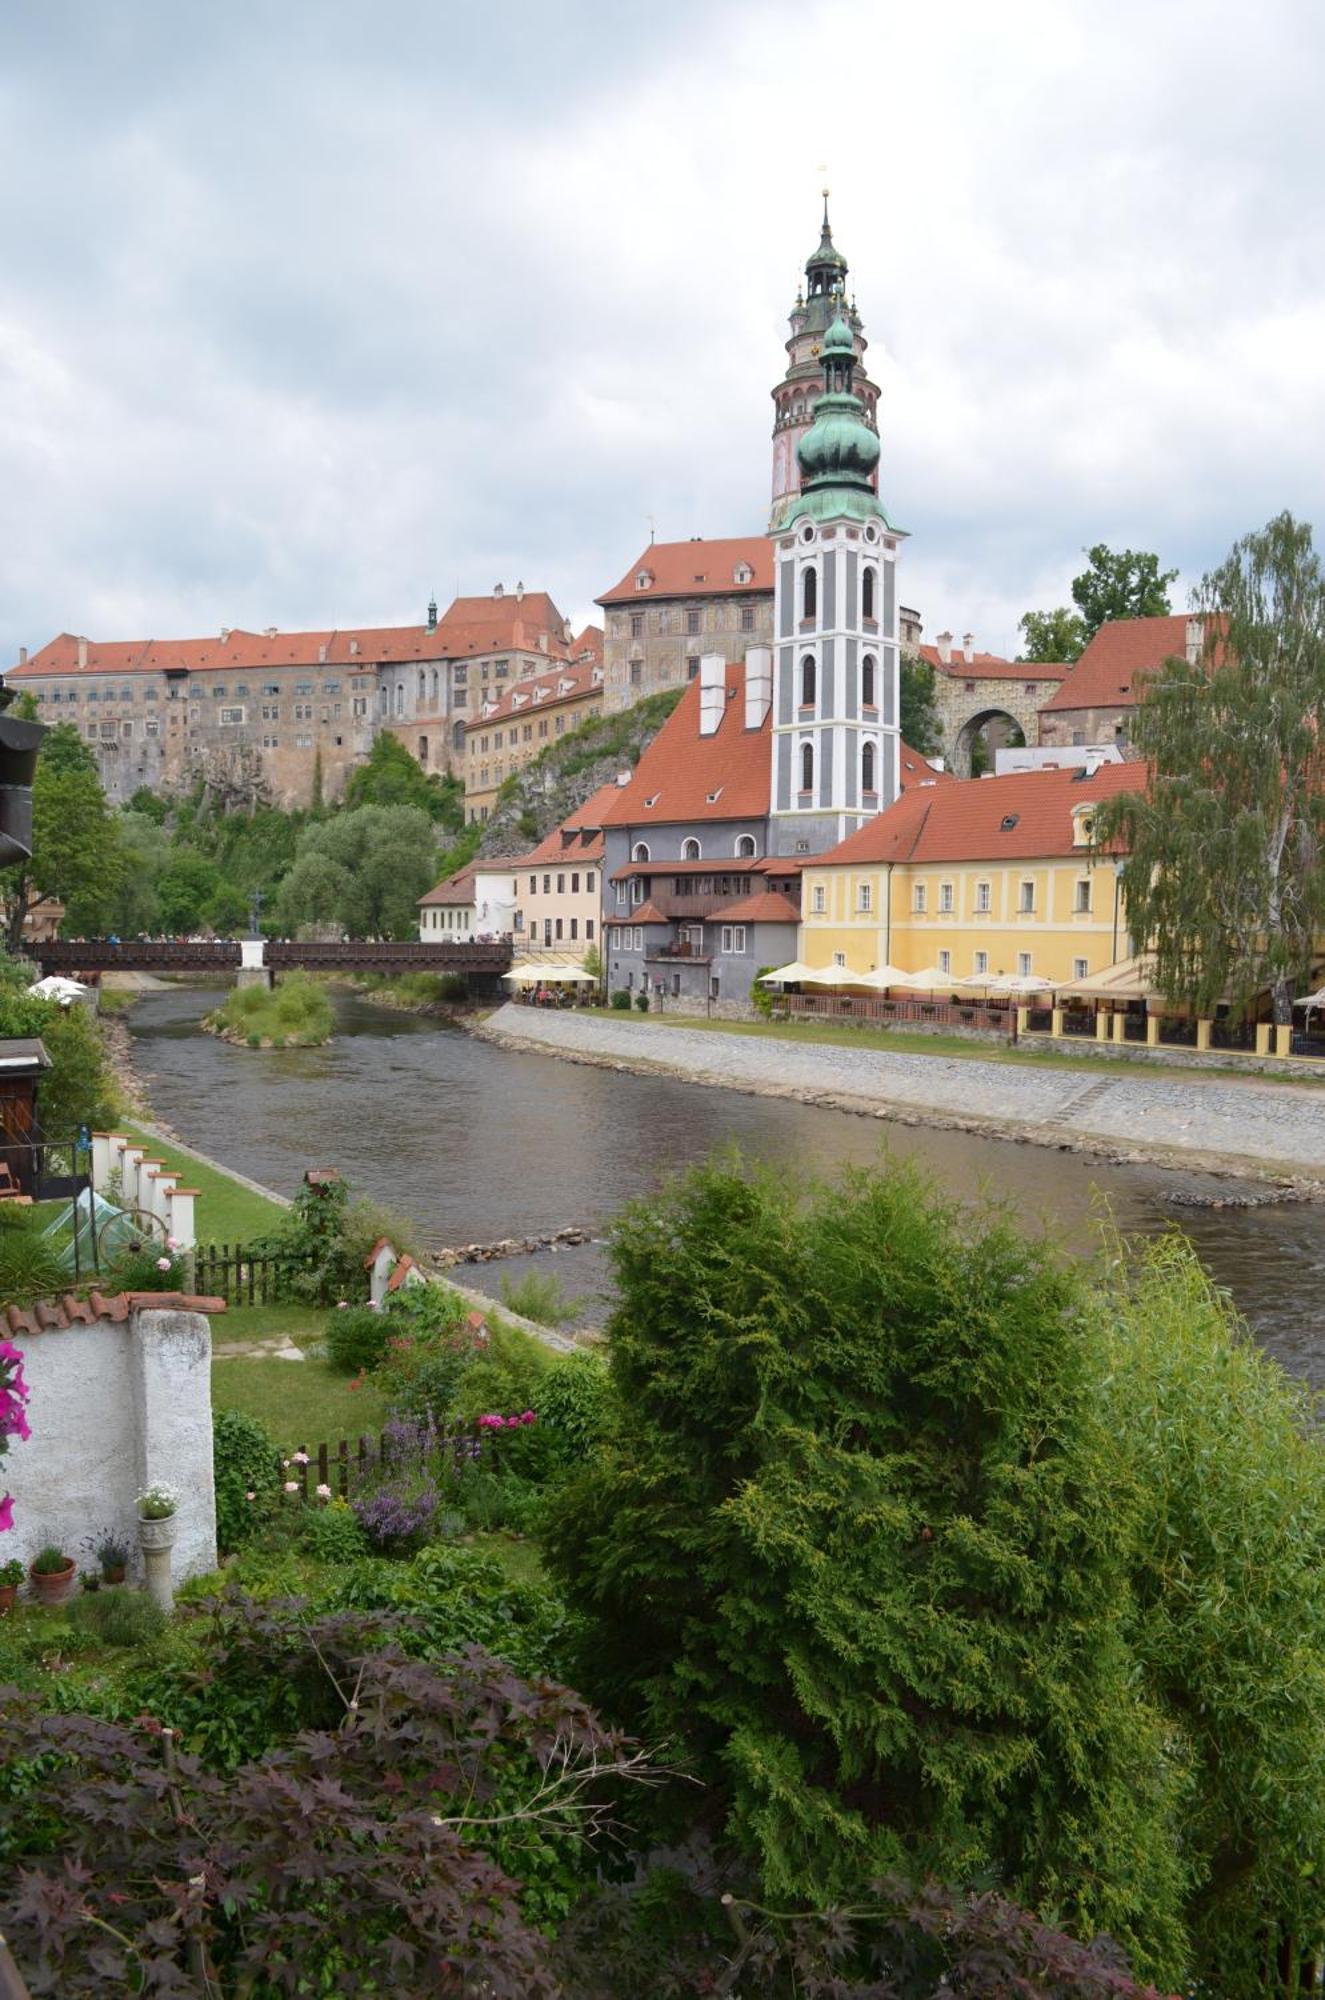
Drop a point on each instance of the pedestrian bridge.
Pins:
(266, 956)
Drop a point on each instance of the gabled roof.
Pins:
(569, 682)
(1105, 675)
(457, 889)
(692, 777)
(647, 913)
(1025, 816)
(991, 667)
(696, 568)
(912, 769)
(579, 838)
(588, 642)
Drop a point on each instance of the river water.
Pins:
(476, 1143)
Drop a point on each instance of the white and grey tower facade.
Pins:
(835, 627)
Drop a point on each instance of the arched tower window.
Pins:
(423, 687)
(458, 736)
(868, 782)
(869, 691)
(808, 680)
(807, 767)
(435, 688)
(640, 851)
(745, 847)
(809, 593)
(867, 593)
(690, 850)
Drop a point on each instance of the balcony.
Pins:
(678, 948)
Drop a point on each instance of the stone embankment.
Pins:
(1273, 1132)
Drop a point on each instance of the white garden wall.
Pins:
(114, 1406)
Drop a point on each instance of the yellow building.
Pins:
(512, 729)
(985, 876)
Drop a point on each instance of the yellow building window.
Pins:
(817, 900)
(918, 899)
(865, 897)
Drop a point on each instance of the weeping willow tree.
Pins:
(1225, 876)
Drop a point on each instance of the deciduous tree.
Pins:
(1127, 583)
(75, 847)
(1052, 635)
(1225, 872)
(918, 710)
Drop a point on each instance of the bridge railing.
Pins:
(92, 955)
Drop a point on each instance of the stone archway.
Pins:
(991, 728)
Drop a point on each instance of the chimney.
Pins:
(943, 647)
(322, 655)
(82, 652)
(497, 590)
(269, 631)
(519, 592)
(354, 647)
(22, 656)
(225, 633)
(968, 647)
(712, 692)
(758, 685)
(1195, 640)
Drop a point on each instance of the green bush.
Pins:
(761, 997)
(147, 1266)
(296, 1013)
(620, 999)
(29, 1268)
(357, 1338)
(642, 1001)
(860, 1553)
(461, 1597)
(118, 1617)
(332, 1534)
(574, 1408)
(244, 1461)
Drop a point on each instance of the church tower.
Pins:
(822, 300)
(835, 633)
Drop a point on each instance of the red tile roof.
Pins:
(697, 568)
(590, 641)
(1024, 816)
(1105, 675)
(648, 913)
(471, 625)
(694, 777)
(912, 769)
(565, 683)
(57, 1315)
(991, 667)
(764, 907)
(579, 836)
(457, 889)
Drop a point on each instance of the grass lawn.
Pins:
(227, 1212)
(898, 1042)
(300, 1402)
(239, 1325)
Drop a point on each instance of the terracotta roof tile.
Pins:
(1105, 675)
(1026, 815)
(764, 907)
(58, 1315)
(912, 769)
(648, 913)
(401, 1272)
(696, 568)
(694, 777)
(564, 683)
(992, 667)
(456, 889)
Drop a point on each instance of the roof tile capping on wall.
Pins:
(120, 1398)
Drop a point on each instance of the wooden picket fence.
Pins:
(240, 1276)
(340, 1466)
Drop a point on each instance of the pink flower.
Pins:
(6, 1512)
(342, 1305)
(292, 1485)
(172, 1243)
(300, 1458)
(324, 1492)
(527, 1417)
(512, 1423)
(250, 1496)
(163, 1263)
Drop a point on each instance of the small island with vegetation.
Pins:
(294, 1015)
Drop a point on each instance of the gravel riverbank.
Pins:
(1218, 1126)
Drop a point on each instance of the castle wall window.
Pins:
(867, 758)
(869, 695)
(692, 621)
(690, 850)
(867, 593)
(807, 767)
(809, 593)
(637, 624)
(745, 847)
(747, 618)
(809, 679)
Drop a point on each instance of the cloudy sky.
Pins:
(310, 307)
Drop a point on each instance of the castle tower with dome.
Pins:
(835, 736)
(821, 300)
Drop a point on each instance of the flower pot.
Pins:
(54, 1586)
(112, 1572)
(158, 1534)
(8, 1598)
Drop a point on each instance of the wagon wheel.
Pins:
(142, 1222)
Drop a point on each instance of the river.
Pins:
(475, 1143)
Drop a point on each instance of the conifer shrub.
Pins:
(859, 1553)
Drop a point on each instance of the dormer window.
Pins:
(644, 581)
(712, 798)
(743, 573)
